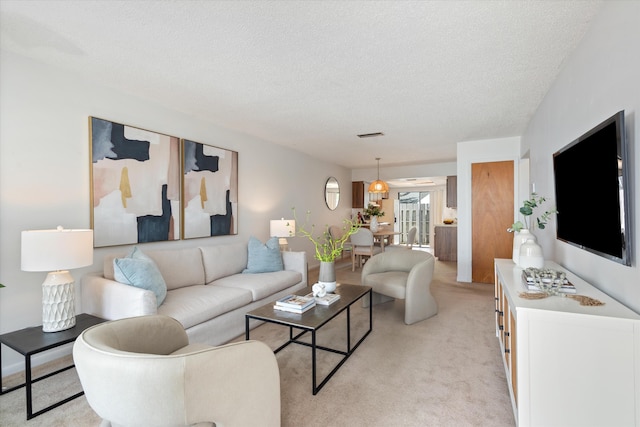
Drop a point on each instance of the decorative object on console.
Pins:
(547, 280)
(135, 184)
(530, 255)
(210, 190)
(523, 230)
(57, 251)
(282, 228)
(519, 237)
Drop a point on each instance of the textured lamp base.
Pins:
(58, 302)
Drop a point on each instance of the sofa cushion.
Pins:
(179, 267)
(264, 257)
(137, 269)
(261, 285)
(193, 305)
(223, 260)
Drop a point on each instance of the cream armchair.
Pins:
(403, 275)
(142, 371)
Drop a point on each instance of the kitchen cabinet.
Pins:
(357, 195)
(452, 191)
(446, 242)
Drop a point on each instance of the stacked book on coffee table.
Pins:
(295, 303)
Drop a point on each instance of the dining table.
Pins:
(384, 233)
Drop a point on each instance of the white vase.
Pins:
(519, 237)
(374, 225)
(327, 275)
(531, 255)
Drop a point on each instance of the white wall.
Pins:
(409, 171)
(600, 78)
(469, 152)
(44, 175)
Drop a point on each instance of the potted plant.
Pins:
(522, 230)
(373, 211)
(327, 249)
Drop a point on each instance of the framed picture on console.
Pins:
(135, 184)
(210, 190)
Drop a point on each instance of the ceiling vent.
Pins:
(370, 135)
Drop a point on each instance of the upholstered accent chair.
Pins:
(142, 371)
(411, 239)
(362, 245)
(403, 275)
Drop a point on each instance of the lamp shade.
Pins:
(378, 186)
(282, 228)
(59, 249)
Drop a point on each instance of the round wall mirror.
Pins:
(332, 193)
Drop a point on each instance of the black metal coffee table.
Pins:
(314, 319)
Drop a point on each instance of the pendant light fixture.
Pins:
(378, 186)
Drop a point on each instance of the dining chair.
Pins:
(336, 232)
(362, 245)
(411, 239)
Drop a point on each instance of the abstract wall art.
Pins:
(135, 184)
(210, 190)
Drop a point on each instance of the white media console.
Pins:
(567, 364)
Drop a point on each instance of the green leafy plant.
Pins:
(327, 249)
(373, 210)
(527, 210)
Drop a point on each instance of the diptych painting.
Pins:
(210, 177)
(150, 187)
(135, 179)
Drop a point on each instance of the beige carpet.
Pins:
(445, 371)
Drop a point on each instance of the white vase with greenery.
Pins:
(522, 231)
(519, 237)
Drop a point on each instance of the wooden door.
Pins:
(492, 214)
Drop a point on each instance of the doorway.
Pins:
(413, 211)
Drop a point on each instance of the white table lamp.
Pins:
(283, 228)
(57, 251)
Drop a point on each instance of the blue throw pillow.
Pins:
(264, 258)
(138, 270)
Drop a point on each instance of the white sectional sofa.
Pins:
(206, 290)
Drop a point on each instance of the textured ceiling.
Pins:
(311, 75)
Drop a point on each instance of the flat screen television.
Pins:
(592, 191)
